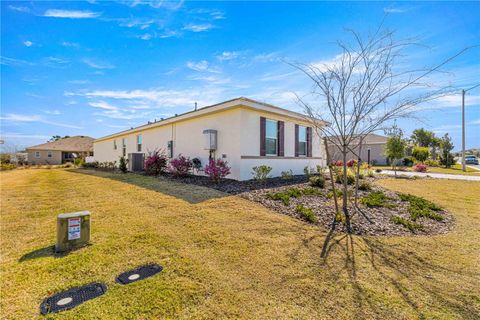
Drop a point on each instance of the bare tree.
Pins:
(363, 90)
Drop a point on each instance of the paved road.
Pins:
(432, 175)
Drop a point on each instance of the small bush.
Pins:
(419, 167)
(339, 193)
(79, 162)
(217, 169)
(285, 196)
(92, 165)
(432, 163)
(309, 191)
(7, 166)
(419, 207)
(351, 163)
(339, 163)
(309, 171)
(371, 174)
(407, 224)
(261, 173)
(340, 217)
(317, 181)
(378, 170)
(156, 162)
(123, 164)
(364, 186)
(420, 153)
(350, 178)
(361, 176)
(408, 161)
(180, 166)
(287, 175)
(306, 213)
(375, 199)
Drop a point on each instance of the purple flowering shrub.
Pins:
(217, 169)
(180, 166)
(155, 162)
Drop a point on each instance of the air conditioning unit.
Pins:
(73, 230)
(210, 138)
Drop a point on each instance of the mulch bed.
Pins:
(377, 224)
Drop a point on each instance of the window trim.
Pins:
(37, 154)
(49, 154)
(270, 137)
(139, 142)
(124, 147)
(301, 141)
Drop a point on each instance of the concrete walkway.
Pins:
(431, 175)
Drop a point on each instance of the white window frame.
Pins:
(271, 137)
(49, 154)
(139, 142)
(302, 141)
(124, 147)
(37, 154)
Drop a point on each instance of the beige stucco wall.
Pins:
(238, 142)
(376, 153)
(44, 159)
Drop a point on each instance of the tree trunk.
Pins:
(332, 180)
(345, 191)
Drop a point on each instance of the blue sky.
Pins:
(96, 67)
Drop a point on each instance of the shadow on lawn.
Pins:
(48, 252)
(189, 193)
(411, 276)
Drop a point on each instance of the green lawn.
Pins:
(455, 169)
(226, 257)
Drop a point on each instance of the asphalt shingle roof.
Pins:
(76, 143)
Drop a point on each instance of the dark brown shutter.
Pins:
(281, 138)
(296, 140)
(309, 141)
(262, 136)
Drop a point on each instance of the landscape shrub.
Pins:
(339, 163)
(376, 199)
(339, 193)
(378, 170)
(7, 166)
(92, 165)
(122, 165)
(285, 196)
(408, 161)
(180, 166)
(320, 170)
(310, 171)
(432, 163)
(419, 207)
(340, 217)
(217, 169)
(407, 224)
(317, 181)
(306, 213)
(364, 186)
(79, 162)
(287, 175)
(311, 191)
(261, 173)
(155, 162)
(350, 178)
(420, 153)
(351, 163)
(419, 167)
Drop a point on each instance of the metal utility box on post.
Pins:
(73, 230)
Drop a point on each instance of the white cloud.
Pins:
(14, 118)
(146, 36)
(97, 65)
(103, 105)
(19, 9)
(199, 27)
(53, 112)
(202, 66)
(79, 81)
(212, 79)
(71, 14)
(393, 10)
(266, 57)
(133, 23)
(70, 44)
(56, 62)
(14, 62)
(169, 5)
(28, 43)
(228, 55)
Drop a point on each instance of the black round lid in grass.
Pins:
(71, 298)
(139, 273)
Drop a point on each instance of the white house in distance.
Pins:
(244, 132)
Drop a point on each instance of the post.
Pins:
(463, 131)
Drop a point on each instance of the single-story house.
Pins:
(372, 150)
(61, 151)
(242, 131)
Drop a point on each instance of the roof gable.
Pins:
(76, 143)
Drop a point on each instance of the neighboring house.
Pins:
(372, 150)
(244, 132)
(61, 151)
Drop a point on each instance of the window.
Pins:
(170, 148)
(37, 154)
(114, 144)
(124, 147)
(271, 137)
(49, 154)
(139, 143)
(302, 141)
